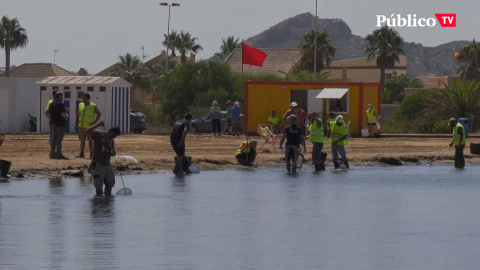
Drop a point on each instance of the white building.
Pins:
(18, 98)
(111, 94)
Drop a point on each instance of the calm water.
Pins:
(368, 218)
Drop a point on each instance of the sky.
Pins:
(93, 33)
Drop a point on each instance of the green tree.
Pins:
(229, 45)
(325, 49)
(184, 43)
(192, 87)
(394, 88)
(469, 59)
(461, 100)
(12, 36)
(129, 68)
(386, 45)
(172, 37)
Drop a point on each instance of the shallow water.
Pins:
(367, 218)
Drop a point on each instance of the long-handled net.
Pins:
(435, 158)
(124, 190)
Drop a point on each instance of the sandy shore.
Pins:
(29, 153)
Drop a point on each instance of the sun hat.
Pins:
(293, 104)
(452, 122)
(236, 103)
(229, 101)
(214, 102)
(340, 119)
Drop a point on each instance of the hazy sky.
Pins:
(93, 33)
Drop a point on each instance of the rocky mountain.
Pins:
(421, 60)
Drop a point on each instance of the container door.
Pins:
(4, 110)
(315, 104)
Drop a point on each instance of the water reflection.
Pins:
(56, 224)
(102, 236)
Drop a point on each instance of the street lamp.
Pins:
(315, 46)
(54, 53)
(168, 28)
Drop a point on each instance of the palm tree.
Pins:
(172, 37)
(129, 68)
(384, 44)
(12, 36)
(229, 45)
(469, 58)
(185, 43)
(325, 49)
(461, 100)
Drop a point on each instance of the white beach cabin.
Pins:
(110, 94)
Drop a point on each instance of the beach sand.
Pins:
(29, 153)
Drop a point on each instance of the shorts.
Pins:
(179, 150)
(82, 135)
(103, 175)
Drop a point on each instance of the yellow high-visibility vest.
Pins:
(371, 118)
(330, 121)
(337, 133)
(86, 117)
(316, 133)
(244, 148)
(456, 136)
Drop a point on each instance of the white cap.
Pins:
(293, 104)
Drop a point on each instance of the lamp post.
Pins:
(315, 46)
(168, 29)
(54, 53)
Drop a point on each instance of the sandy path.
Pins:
(29, 152)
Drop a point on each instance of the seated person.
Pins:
(246, 153)
(274, 122)
(338, 106)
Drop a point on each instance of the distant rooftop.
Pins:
(278, 61)
(78, 80)
(37, 70)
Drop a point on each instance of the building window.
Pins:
(103, 89)
(66, 94)
(338, 106)
(43, 88)
(79, 88)
(66, 88)
(55, 88)
(90, 88)
(79, 95)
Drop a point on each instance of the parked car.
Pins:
(138, 122)
(204, 123)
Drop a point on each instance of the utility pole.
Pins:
(315, 46)
(54, 53)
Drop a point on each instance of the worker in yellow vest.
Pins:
(246, 153)
(372, 119)
(338, 139)
(87, 115)
(459, 141)
(47, 114)
(328, 124)
(317, 138)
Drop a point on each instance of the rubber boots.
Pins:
(346, 164)
(178, 166)
(99, 191)
(108, 191)
(320, 166)
(336, 165)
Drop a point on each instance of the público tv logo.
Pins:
(445, 20)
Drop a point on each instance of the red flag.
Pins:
(252, 56)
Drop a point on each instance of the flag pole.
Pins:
(244, 102)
